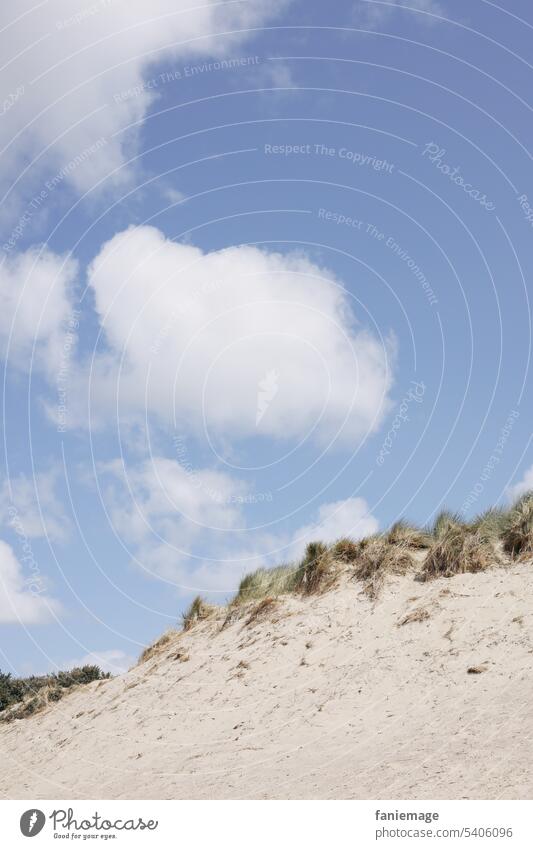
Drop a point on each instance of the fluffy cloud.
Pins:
(189, 527)
(31, 507)
(115, 661)
(22, 598)
(34, 290)
(524, 485)
(347, 518)
(183, 525)
(73, 75)
(241, 341)
(160, 497)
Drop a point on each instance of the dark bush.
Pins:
(16, 690)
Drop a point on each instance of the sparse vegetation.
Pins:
(377, 558)
(444, 522)
(420, 614)
(402, 533)
(458, 549)
(517, 528)
(317, 570)
(197, 612)
(152, 650)
(22, 697)
(490, 523)
(450, 546)
(262, 609)
(266, 582)
(346, 550)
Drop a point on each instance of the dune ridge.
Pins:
(422, 689)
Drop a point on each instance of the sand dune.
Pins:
(328, 696)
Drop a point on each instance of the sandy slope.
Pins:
(326, 698)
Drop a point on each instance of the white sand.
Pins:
(327, 698)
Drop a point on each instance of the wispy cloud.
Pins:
(374, 12)
(23, 599)
(115, 661)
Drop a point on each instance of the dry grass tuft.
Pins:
(444, 522)
(266, 582)
(197, 612)
(317, 571)
(182, 656)
(457, 550)
(262, 610)
(490, 523)
(152, 650)
(378, 558)
(418, 615)
(346, 550)
(402, 533)
(517, 528)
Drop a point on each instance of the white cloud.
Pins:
(162, 495)
(173, 195)
(196, 334)
(31, 507)
(190, 528)
(34, 290)
(115, 661)
(171, 518)
(23, 598)
(524, 485)
(347, 518)
(73, 74)
(374, 13)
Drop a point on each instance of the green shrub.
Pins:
(35, 692)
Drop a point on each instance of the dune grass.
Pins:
(491, 523)
(449, 546)
(316, 571)
(153, 649)
(517, 528)
(457, 550)
(444, 522)
(197, 612)
(403, 533)
(379, 557)
(266, 582)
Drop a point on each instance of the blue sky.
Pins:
(265, 279)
